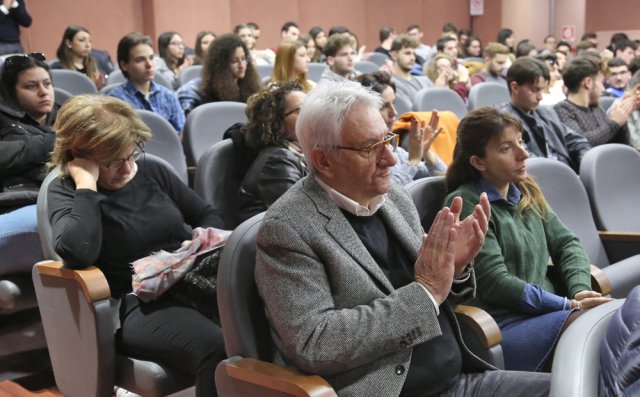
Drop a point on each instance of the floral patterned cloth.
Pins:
(155, 274)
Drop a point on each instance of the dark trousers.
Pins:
(500, 383)
(176, 336)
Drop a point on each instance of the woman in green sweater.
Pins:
(524, 233)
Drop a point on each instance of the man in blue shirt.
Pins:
(135, 57)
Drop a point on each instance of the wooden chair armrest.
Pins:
(274, 377)
(599, 281)
(483, 325)
(633, 237)
(91, 279)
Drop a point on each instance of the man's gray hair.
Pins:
(325, 110)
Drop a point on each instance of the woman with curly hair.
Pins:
(74, 53)
(227, 75)
(292, 63)
(279, 164)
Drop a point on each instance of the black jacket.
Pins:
(272, 173)
(25, 148)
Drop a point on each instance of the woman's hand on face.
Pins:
(85, 173)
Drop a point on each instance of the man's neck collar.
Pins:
(579, 99)
(144, 88)
(348, 204)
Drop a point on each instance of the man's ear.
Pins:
(330, 61)
(514, 87)
(394, 55)
(587, 82)
(477, 163)
(322, 164)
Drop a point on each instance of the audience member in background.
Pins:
(339, 56)
(586, 46)
(420, 135)
(635, 65)
(203, 41)
(358, 50)
(271, 132)
(544, 134)
(442, 73)
(13, 14)
(290, 31)
(104, 179)
(74, 53)
(387, 35)
(633, 124)
(625, 50)
(262, 57)
(337, 29)
(507, 38)
(227, 75)
(246, 35)
(423, 51)
(584, 78)
(403, 56)
(554, 90)
(525, 48)
(309, 44)
(449, 29)
(618, 77)
(27, 111)
(473, 47)
(320, 40)
(561, 58)
(135, 57)
(590, 36)
(549, 43)
(172, 58)
(463, 35)
(353, 289)
(292, 63)
(496, 58)
(514, 285)
(564, 46)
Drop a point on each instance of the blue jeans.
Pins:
(19, 241)
(11, 48)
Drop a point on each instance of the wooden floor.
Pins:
(12, 389)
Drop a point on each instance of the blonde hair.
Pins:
(431, 71)
(283, 67)
(96, 126)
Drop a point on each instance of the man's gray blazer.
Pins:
(332, 310)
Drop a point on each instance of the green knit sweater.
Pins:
(517, 250)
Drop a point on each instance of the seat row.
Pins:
(81, 298)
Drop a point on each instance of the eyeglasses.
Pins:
(20, 60)
(177, 43)
(133, 157)
(292, 111)
(375, 151)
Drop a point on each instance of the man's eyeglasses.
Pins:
(20, 60)
(133, 157)
(375, 151)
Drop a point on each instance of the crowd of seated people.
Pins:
(278, 161)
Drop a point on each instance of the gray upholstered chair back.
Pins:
(315, 71)
(215, 183)
(366, 67)
(206, 125)
(428, 196)
(244, 324)
(165, 143)
(74, 82)
(611, 175)
(376, 57)
(568, 199)
(61, 95)
(437, 98)
(190, 73)
(576, 361)
(487, 94)
(264, 71)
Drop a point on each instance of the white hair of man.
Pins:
(324, 111)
